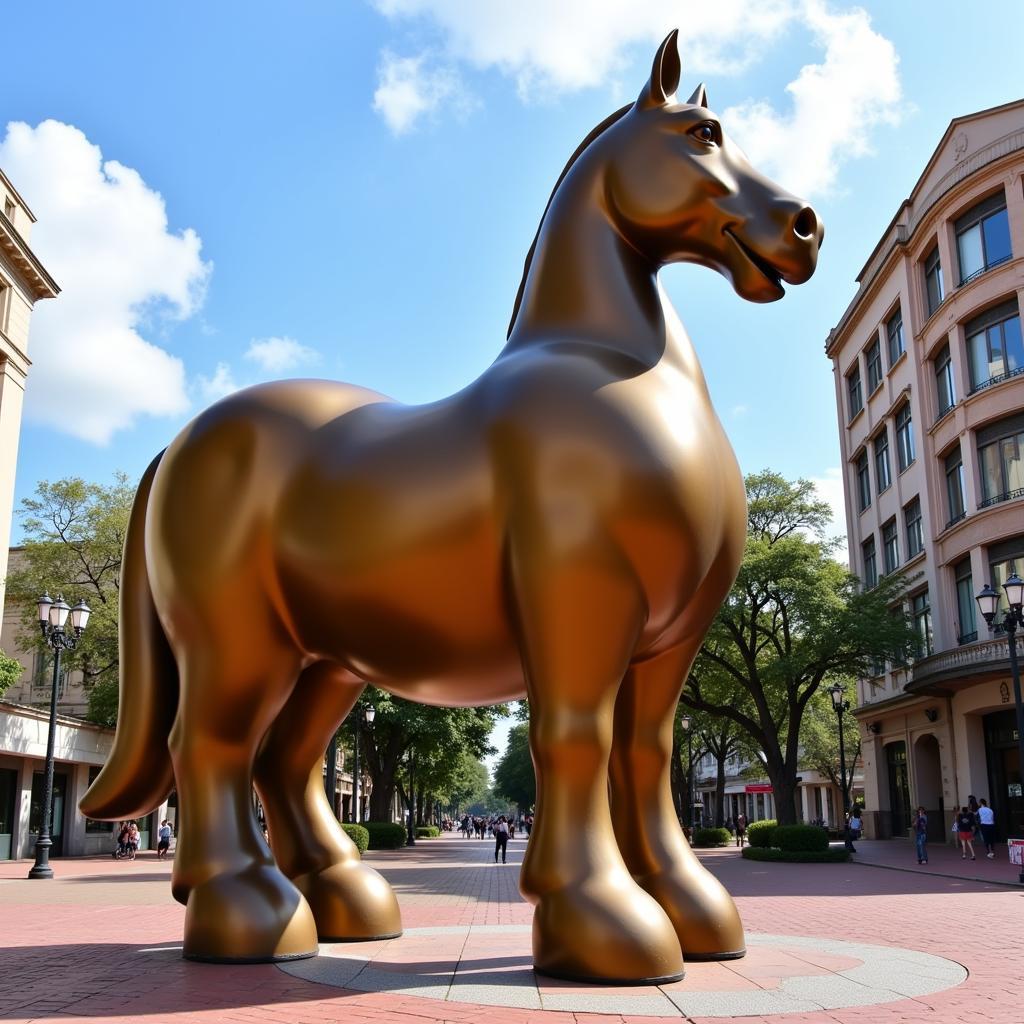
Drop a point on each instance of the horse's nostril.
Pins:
(806, 223)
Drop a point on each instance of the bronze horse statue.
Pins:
(563, 529)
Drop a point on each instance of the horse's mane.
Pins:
(599, 130)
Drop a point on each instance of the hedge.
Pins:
(427, 831)
(711, 837)
(800, 838)
(385, 835)
(358, 835)
(761, 833)
(829, 856)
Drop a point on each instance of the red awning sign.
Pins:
(758, 787)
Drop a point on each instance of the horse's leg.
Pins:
(646, 826)
(350, 901)
(240, 907)
(579, 615)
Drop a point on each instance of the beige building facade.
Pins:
(929, 376)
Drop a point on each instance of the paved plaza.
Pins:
(856, 943)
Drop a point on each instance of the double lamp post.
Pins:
(53, 619)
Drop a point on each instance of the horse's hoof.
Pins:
(351, 903)
(605, 931)
(701, 910)
(253, 916)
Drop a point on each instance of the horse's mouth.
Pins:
(759, 262)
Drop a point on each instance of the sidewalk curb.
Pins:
(936, 874)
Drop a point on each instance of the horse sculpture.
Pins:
(563, 529)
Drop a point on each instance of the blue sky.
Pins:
(350, 188)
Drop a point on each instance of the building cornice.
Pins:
(43, 715)
(41, 284)
(17, 195)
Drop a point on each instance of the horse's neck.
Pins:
(586, 284)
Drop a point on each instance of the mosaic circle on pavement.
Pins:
(490, 965)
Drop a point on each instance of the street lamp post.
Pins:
(841, 707)
(1013, 618)
(371, 714)
(410, 839)
(686, 722)
(53, 616)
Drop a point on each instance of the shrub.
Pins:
(761, 833)
(358, 835)
(796, 838)
(711, 837)
(427, 831)
(385, 835)
(827, 856)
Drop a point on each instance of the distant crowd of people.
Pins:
(501, 828)
(129, 839)
(974, 821)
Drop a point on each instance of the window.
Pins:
(5, 302)
(883, 471)
(8, 209)
(933, 292)
(955, 487)
(874, 359)
(96, 826)
(894, 332)
(994, 345)
(863, 482)
(890, 547)
(921, 611)
(967, 628)
(915, 529)
(944, 387)
(853, 389)
(1005, 559)
(870, 562)
(904, 437)
(983, 237)
(1001, 459)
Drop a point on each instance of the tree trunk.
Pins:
(720, 793)
(678, 780)
(784, 788)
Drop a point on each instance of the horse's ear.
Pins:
(664, 74)
(699, 97)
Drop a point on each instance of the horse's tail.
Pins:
(138, 775)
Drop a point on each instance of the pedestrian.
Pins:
(529, 824)
(972, 806)
(853, 827)
(133, 840)
(500, 829)
(921, 835)
(122, 840)
(987, 824)
(164, 836)
(965, 832)
(741, 828)
(511, 828)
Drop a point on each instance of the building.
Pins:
(23, 282)
(929, 379)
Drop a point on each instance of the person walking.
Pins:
(741, 828)
(921, 835)
(164, 836)
(965, 832)
(133, 840)
(972, 806)
(987, 824)
(500, 830)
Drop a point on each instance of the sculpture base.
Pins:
(706, 957)
(283, 958)
(583, 980)
(363, 938)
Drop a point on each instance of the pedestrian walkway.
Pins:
(943, 859)
(841, 944)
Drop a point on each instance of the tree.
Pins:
(794, 619)
(513, 775)
(10, 672)
(74, 534)
(819, 741)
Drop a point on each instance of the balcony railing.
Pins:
(973, 657)
(998, 499)
(997, 379)
(956, 519)
(988, 266)
(967, 638)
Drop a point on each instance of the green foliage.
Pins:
(762, 833)
(514, 779)
(819, 737)
(358, 835)
(10, 672)
(102, 701)
(794, 620)
(384, 835)
(800, 838)
(74, 533)
(705, 837)
(829, 856)
(427, 832)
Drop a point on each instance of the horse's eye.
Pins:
(706, 132)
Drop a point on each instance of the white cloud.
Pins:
(222, 383)
(103, 234)
(410, 89)
(549, 47)
(837, 105)
(830, 489)
(276, 355)
(739, 410)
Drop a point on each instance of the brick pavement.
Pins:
(100, 942)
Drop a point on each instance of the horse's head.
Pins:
(679, 189)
